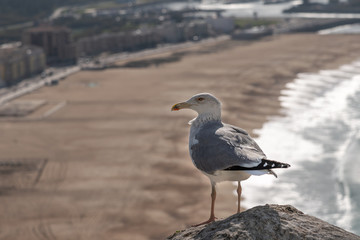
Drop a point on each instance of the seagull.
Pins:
(221, 151)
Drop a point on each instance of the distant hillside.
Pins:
(17, 11)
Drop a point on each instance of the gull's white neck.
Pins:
(205, 117)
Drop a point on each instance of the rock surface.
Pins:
(267, 222)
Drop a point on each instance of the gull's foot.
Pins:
(210, 220)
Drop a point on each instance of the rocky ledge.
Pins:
(266, 222)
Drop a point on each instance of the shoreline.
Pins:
(117, 159)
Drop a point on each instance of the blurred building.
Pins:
(221, 25)
(196, 30)
(117, 42)
(168, 32)
(56, 42)
(171, 32)
(20, 61)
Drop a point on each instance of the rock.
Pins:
(267, 222)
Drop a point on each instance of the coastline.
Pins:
(117, 159)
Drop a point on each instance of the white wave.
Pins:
(314, 137)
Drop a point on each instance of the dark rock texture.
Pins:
(267, 222)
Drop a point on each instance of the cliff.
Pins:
(266, 222)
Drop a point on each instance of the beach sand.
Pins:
(105, 158)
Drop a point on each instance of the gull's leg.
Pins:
(213, 197)
(239, 190)
(212, 212)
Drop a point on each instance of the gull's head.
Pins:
(202, 103)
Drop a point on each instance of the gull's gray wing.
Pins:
(220, 146)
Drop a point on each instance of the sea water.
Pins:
(241, 9)
(319, 135)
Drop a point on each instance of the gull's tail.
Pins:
(262, 168)
(264, 165)
(268, 164)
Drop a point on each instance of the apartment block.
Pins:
(19, 61)
(56, 42)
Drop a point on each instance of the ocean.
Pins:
(319, 135)
(245, 10)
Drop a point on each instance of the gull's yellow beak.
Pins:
(179, 106)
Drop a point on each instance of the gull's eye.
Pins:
(200, 99)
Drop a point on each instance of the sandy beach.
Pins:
(105, 158)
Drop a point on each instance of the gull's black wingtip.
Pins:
(265, 164)
(283, 165)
